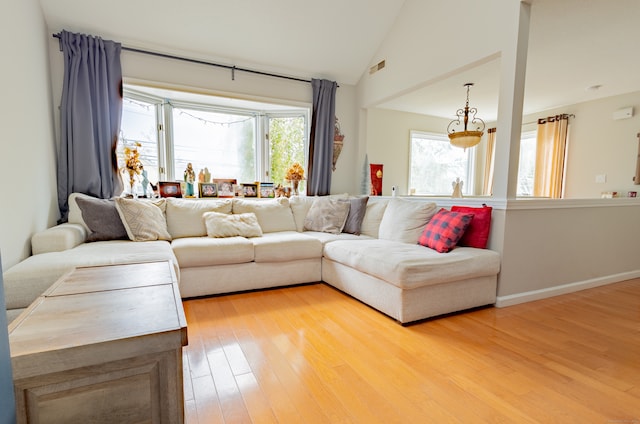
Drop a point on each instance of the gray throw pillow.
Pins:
(102, 218)
(356, 215)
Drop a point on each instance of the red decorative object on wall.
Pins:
(376, 179)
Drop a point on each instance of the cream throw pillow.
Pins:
(143, 219)
(404, 220)
(184, 216)
(373, 216)
(273, 215)
(232, 225)
(327, 214)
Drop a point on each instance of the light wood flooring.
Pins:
(310, 354)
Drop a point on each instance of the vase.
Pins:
(131, 190)
(376, 179)
(294, 187)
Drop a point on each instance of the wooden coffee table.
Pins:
(102, 345)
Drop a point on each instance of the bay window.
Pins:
(226, 138)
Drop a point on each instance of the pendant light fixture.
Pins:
(466, 138)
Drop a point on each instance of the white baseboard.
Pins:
(514, 299)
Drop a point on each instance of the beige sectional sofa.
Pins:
(381, 264)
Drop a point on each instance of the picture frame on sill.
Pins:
(238, 190)
(250, 190)
(267, 190)
(169, 189)
(207, 190)
(225, 187)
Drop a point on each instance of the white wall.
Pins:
(557, 246)
(598, 144)
(414, 58)
(27, 149)
(388, 143)
(7, 399)
(159, 71)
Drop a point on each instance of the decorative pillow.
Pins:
(477, 234)
(356, 215)
(273, 214)
(184, 216)
(143, 219)
(300, 206)
(232, 225)
(404, 220)
(327, 214)
(373, 216)
(102, 218)
(444, 230)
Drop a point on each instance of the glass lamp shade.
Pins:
(465, 139)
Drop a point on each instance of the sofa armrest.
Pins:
(56, 239)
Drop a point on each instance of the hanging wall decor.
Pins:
(338, 142)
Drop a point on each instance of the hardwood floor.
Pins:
(311, 354)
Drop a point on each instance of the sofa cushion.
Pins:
(444, 230)
(207, 251)
(404, 220)
(285, 246)
(410, 265)
(102, 218)
(56, 239)
(184, 216)
(300, 205)
(232, 225)
(144, 220)
(357, 210)
(30, 278)
(273, 214)
(373, 216)
(477, 233)
(328, 237)
(327, 215)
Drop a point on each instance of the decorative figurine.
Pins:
(457, 187)
(207, 175)
(189, 178)
(145, 184)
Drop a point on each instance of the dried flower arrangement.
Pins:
(295, 172)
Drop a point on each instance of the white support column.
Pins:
(512, 77)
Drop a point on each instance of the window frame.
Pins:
(469, 182)
(263, 111)
(526, 135)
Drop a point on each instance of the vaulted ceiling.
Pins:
(574, 44)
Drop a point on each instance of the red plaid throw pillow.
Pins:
(444, 230)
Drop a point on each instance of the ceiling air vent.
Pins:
(375, 68)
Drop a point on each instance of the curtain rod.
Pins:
(571, 115)
(233, 68)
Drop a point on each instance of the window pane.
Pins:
(527, 164)
(139, 125)
(435, 165)
(286, 146)
(224, 143)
